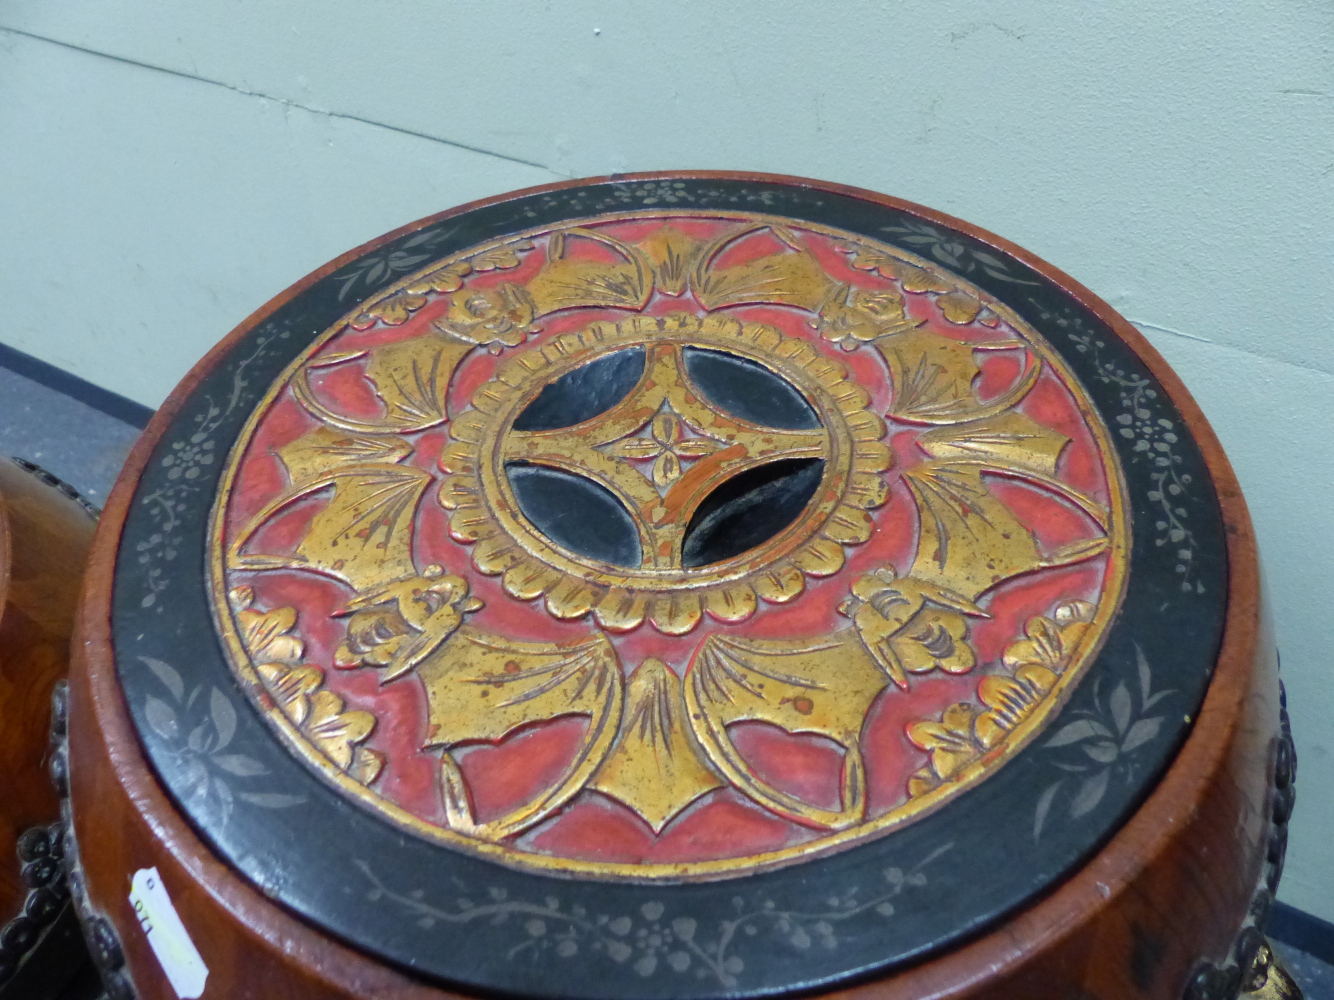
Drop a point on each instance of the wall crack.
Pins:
(280, 100)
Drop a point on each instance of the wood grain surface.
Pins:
(44, 541)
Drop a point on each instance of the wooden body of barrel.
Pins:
(1163, 909)
(45, 533)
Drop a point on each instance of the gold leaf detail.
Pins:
(950, 741)
(933, 378)
(731, 604)
(621, 610)
(849, 526)
(366, 765)
(529, 579)
(496, 554)
(395, 308)
(265, 632)
(654, 767)
(969, 540)
(820, 557)
(1011, 439)
(795, 279)
(318, 714)
(965, 732)
(290, 687)
(364, 534)
(481, 686)
(675, 613)
(935, 639)
(411, 378)
(1051, 642)
(499, 258)
(573, 599)
(779, 584)
(498, 316)
(852, 316)
(903, 632)
(312, 455)
(867, 490)
(959, 307)
(673, 255)
(335, 730)
(823, 686)
(398, 624)
(567, 283)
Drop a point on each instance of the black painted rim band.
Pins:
(856, 913)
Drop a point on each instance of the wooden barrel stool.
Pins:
(680, 585)
(46, 529)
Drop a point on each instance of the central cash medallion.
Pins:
(667, 545)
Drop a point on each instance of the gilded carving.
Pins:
(556, 630)
(297, 689)
(655, 767)
(674, 599)
(966, 731)
(481, 686)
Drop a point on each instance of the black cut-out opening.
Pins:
(584, 393)
(749, 509)
(576, 513)
(748, 390)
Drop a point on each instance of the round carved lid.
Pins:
(681, 586)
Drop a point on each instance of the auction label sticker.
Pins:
(168, 937)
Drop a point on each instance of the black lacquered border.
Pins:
(474, 924)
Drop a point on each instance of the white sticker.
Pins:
(167, 936)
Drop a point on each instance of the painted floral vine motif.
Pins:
(297, 688)
(379, 268)
(952, 252)
(652, 940)
(1155, 439)
(186, 462)
(197, 732)
(645, 194)
(1101, 743)
(965, 731)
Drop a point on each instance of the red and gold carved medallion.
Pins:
(668, 545)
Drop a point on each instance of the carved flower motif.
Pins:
(854, 316)
(621, 599)
(265, 633)
(667, 445)
(489, 316)
(291, 687)
(956, 305)
(936, 639)
(964, 732)
(297, 689)
(959, 307)
(950, 742)
(904, 633)
(395, 308)
(1051, 641)
(335, 731)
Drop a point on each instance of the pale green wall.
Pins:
(167, 167)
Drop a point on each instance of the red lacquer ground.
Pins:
(723, 823)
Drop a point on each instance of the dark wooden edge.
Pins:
(1206, 782)
(45, 531)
